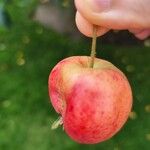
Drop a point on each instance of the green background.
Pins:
(28, 52)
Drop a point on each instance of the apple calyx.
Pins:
(57, 123)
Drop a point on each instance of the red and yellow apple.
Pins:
(94, 103)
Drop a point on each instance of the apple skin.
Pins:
(94, 102)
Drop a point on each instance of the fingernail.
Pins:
(100, 5)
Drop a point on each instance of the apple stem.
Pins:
(57, 123)
(93, 48)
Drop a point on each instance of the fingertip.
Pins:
(143, 34)
(83, 25)
(86, 27)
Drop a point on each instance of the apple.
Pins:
(94, 103)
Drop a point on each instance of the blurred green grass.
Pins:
(28, 52)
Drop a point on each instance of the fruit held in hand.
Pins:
(94, 102)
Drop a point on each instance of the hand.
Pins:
(132, 15)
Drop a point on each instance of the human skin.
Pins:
(94, 103)
(132, 15)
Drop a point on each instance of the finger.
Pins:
(86, 27)
(143, 34)
(135, 31)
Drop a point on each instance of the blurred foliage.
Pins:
(27, 54)
(4, 16)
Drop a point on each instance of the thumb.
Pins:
(85, 15)
(86, 28)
